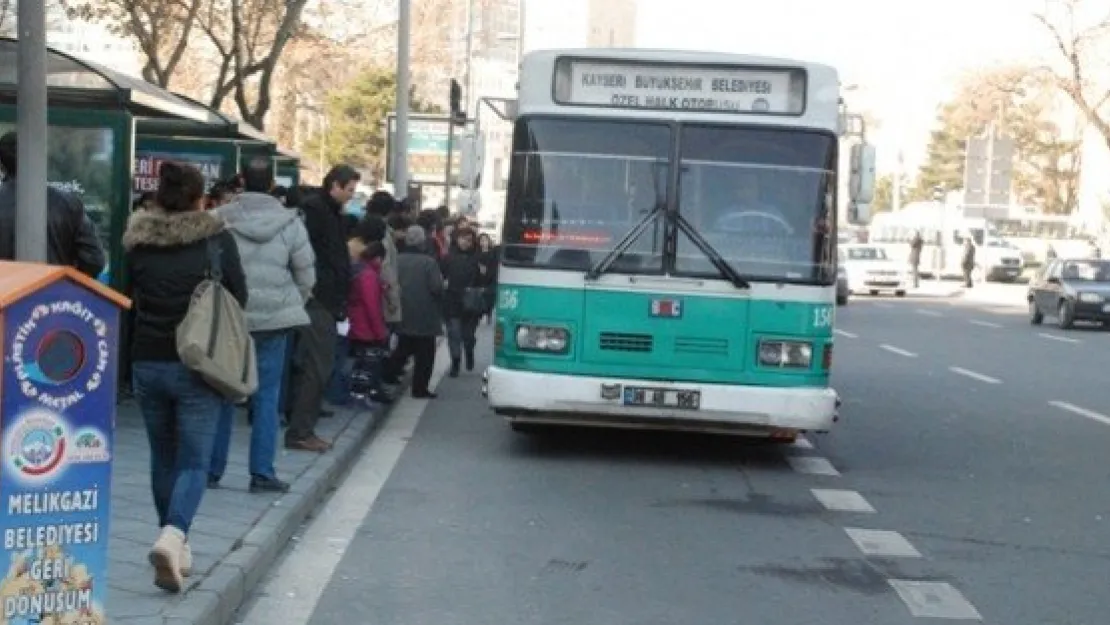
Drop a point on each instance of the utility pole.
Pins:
(401, 139)
(521, 24)
(31, 130)
(469, 53)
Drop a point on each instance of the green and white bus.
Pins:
(669, 244)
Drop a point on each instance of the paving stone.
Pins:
(236, 537)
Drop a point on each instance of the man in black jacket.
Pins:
(71, 238)
(314, 358)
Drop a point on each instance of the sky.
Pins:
(904, 55)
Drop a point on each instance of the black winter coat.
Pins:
(71, 239)
(166, 258)
(462, 270)
(327, 230)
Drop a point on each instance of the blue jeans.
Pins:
(339, 386)
(270, 349)
(180, 412)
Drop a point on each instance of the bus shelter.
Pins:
(108, 133)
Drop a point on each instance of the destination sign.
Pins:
(682, 88)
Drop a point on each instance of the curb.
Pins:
(231, 582)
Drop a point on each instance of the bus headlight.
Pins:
(541, 339)
(1090, 298)
(793, 354)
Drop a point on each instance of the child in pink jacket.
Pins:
(368, 334)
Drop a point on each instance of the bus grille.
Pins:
(622, 342)
(700, 346)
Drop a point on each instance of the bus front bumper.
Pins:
(583, 400)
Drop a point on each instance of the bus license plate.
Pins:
(662, 398)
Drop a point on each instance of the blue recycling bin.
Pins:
(58, 388)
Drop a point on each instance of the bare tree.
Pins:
(161, 28)
(1082, 48)
(249, 37)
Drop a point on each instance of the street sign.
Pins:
(989, 170)
(427, 157)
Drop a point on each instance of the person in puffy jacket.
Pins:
(168, 252)
(368, 336)
(281, 272)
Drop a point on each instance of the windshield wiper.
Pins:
(727, 270)
(629, 239)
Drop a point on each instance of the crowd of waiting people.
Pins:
(337, 304)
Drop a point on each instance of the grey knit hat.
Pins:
(414, 236)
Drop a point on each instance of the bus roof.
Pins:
(727, 82)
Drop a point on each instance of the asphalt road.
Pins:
(974, 447)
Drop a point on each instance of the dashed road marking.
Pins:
(882, 543)
(985, 324)
(812, 465)
(802, 443)
(898, 350)
(1055, 337)
(1083, 412)
(928, 313)
(974, 375)
(842, 500)
(934, 600)
(845, 334)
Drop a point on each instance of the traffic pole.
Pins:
(401, 140)
(31, 128)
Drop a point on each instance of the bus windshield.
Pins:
(578, 187)
(763, 198)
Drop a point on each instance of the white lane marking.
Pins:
(934, 600)
(1054, 337)
(898, 350)
(1083, 412)
(847, 335)
(802, 443)
(882, 543)
(975, 376)
(985, 324)
(291, 595)
(812, 465)
(928, 313)
(842, 500)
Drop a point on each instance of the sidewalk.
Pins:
(237, 536)
(935, 289)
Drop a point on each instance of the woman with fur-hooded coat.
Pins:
(166, 250)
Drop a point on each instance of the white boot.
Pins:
(166, 558)
(186, 559)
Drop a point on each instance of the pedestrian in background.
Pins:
(71, 237)
(464, 300)
(916, 245)
(368, 336)
(421, 313)
(167, 257)
(280, 268)
(314, 356)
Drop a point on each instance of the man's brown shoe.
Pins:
(309, 444)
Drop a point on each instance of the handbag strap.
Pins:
(215, 266)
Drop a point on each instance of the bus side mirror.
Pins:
(862, 182)
(472, 156)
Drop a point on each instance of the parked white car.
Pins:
(870, 270)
